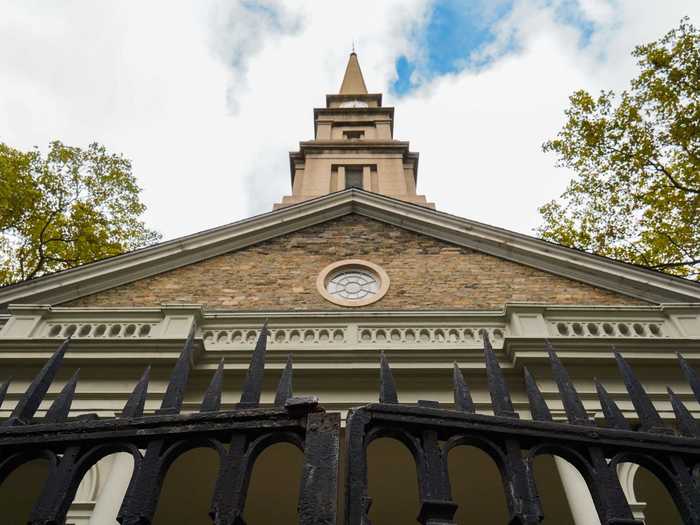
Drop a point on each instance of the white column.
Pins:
(577, 494)
(626, 472)
(113, 489)
(367, 179)
(341, 178)
(84, 501)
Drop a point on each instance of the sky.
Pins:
(207, 97)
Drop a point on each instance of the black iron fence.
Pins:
(428, 430)
(72, 446)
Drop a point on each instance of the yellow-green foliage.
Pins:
(68, 207)
(635, 195)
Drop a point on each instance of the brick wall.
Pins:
(425, 273)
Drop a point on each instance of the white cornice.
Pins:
(420, 341)
(605, 273)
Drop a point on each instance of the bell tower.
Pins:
(353, 147)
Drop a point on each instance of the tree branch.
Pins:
(676, 265)
(40, 248)
(661, 169)
(691, 154)
(678, 246)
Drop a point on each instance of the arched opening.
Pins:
(102, 489)
(649, 499)
(187, 489)
(563, 492)
(393, 483)
(477, 486)
(273, 491)
(21, 489)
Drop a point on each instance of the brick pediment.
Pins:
(426, 273)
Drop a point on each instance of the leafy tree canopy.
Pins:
(635, 195)
(68, 207)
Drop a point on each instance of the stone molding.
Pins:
(519, 329)
(328, 345)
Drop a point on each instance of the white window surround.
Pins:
(352, 283)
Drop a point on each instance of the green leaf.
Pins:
(69, 207)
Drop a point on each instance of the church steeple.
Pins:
(353, 147)
(353, 82)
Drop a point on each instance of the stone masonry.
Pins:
(425, 273)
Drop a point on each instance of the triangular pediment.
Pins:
(481, 251)
(425, 273)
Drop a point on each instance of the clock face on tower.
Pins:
(354, 104)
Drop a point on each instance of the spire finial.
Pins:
(353, 82)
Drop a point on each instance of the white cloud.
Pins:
(239, 30)
(480, 133)
(207, 98)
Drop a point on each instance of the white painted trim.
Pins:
(419, 340)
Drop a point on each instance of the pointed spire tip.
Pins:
(353, 81)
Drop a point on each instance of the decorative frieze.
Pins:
(385, 335)
(608, 328)
(458, 335)
(244, 336)
(46, 322)
(115, 330)
(515, 328)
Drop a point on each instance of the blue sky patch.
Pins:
(569, 13)
(404, 70)
(455, 30)
(458, 29)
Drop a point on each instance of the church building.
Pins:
(354, 272)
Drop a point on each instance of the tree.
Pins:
(68, 207)
(635, 195)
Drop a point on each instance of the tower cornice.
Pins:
(375, 98)
(320, 113)
(353, 147)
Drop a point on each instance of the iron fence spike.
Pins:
(137, 400)
(649, 418)
(252, 387)
(387, 386)
(462, 395)
(690, 375)
(538, 406)
(34, 395)
(175, 392)
(613, 415)
(687, 425)
(284, 387)
(3, 390)
(211, 402)
(59, 409)
(500, 395)
(575, 411)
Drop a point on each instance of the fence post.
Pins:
(437, 507)
(318, 499)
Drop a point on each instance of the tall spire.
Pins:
(353, 83)
(352, 135)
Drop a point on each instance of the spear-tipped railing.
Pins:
(431, 431)
(238, 435)
(74, 444)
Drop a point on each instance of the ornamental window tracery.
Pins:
(352, 282)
